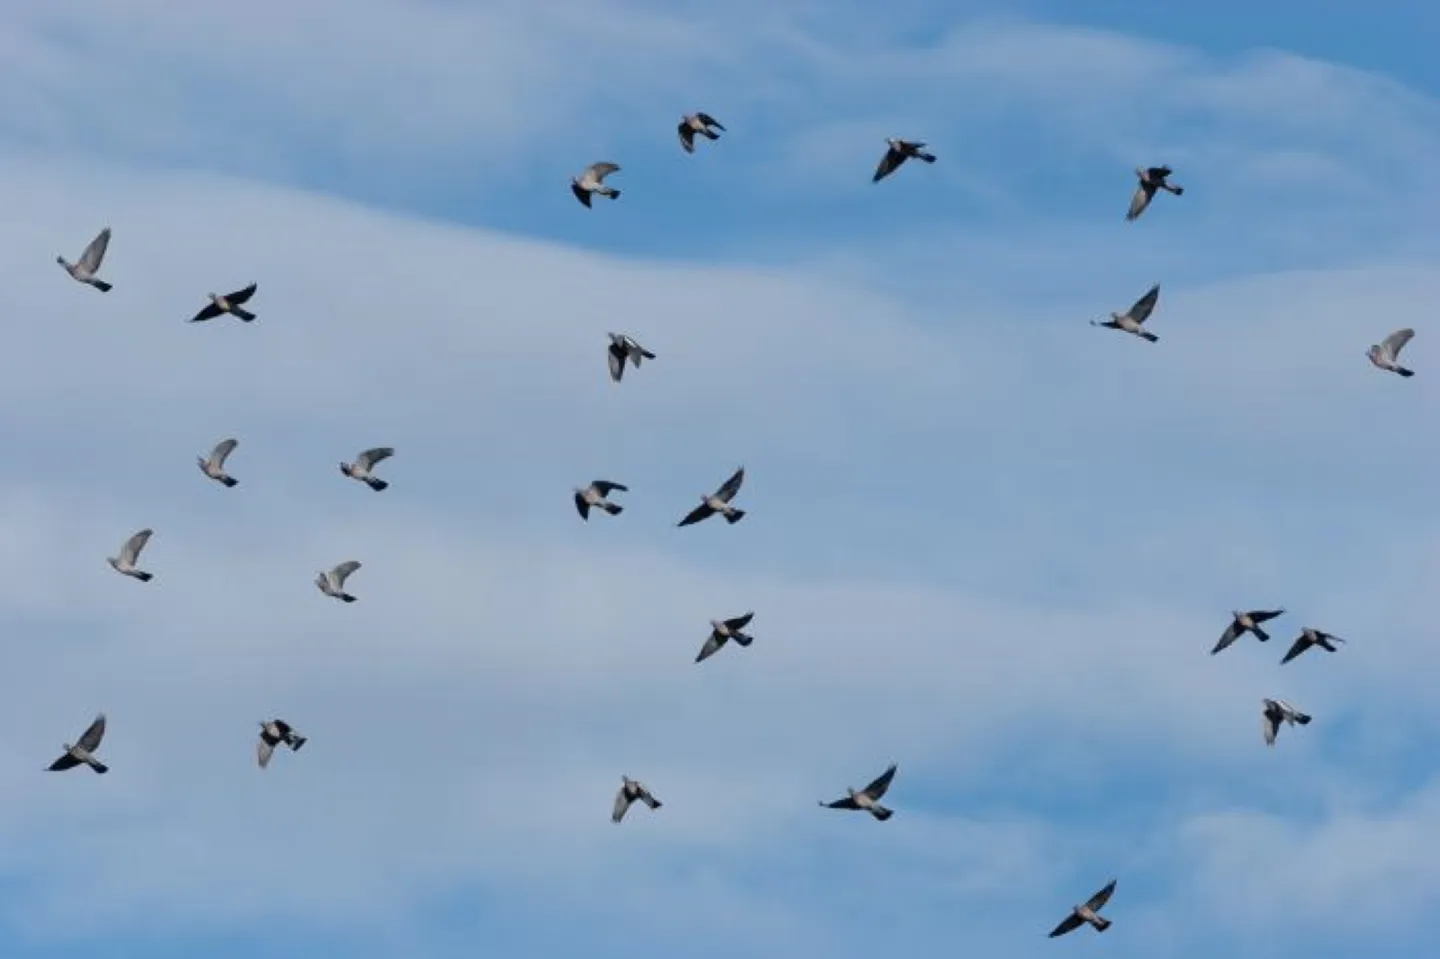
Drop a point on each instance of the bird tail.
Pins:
(99, 767)
(1177, 190)
(143, 576)
(346, 598)
(652, 802)
(734, 516)
(614, 509)
(296, 742)
(743, 639)
(881, 813)
(927, 157)
(1100, 923)
(1404, 372)
(101, 285)
(1147, 335)
(242, 315)
(1260, 634)
(1302, 719)
(229, 481)
(376, 484)
(614, 194)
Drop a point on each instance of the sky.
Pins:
(985, 540)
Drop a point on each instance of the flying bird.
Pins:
(1088, 912)
(721, 631)
(630, 791)
(1242, 623)
(868, 798)
(594, 495)
(1151, 179)
(213, 465)
(701, 123)
(333, 582)
(229, 303)
(1386, 353)
(592, 180)
(273, 732)
(899, 152)
(130, 555)
(1311, 637)
(84, 269)
(84, 749)
(1130, 321)
(1278, 711)
(364, 463)
(624, 347)
(719, 502)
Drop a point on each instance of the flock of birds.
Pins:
(624, 349)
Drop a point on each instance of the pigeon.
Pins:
(594, 495)
(273, 732)
(624, 347)
(630, 791)
(364, 463)
(899, 152)
(1278, 711)
(868, 798)
(701, 123)
(333, 582)
(719, 502)
(1311, 637)
(130, 554)
(1130, 321)
(592, 180)
(1151, 179)
(213, 465)
(723, 630)
(85, 268)
(84, 749)
(229, 303)
(1242, 623)
(1089, 912)
(1386, 353)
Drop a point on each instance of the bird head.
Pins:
(61, 261)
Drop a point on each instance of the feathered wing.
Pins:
(1270, 724)
(1395, 342)
(740, 622)
(889, 163)
(1144, 306)
(222, 451)
(599, 171)
(208, 313)
(240, 296)
(1069, 924)
(94, 254)
(93, 734)
(371, 457)
(606, 487)
(687, 137)
(711, 647)
(696, 515)
(263, 751)
(130, 552)
(846, 803)
(341, 573)
(881, 783)
(731, 486)
(616, 359)
(622, 805)
(710, 121)
(1098, 901)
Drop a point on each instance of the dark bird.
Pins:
(719, 502)
(592, 180)
(273, 732)
(1088, 912)
(213, 465)
(84, 270)
(594, 495)
(84, 749)
(721, 631)
(868, 798)
(624, 347)
(631, 790)
(1132, 319)
(899, 152)
(1151, 179)
(1311, 637)
(701, 123)
(229, 303)
(1275, 712)
(1242, 623)
(1386, 353)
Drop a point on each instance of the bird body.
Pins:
(592, 180)
(130, 555)
(332, 582)
(1277, 712)
(1087, 912)
(719, 502)
(365, 463)
(595, 495)
(867, 799)
(231, 303)
(1246, 622)
(1150, 179)
(624, 347)
(722, 631)
(84, 269)
(631, 791)
(697, 123)
(213, 465)
(1386, 353)
(274, 732)
(1132, 319)
(899, 151)
(83, 751)
(1312, 637)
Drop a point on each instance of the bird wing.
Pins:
(1270, 723)
(601, 170)
(1144, 306)
(581, 194)
(687, 137)
(605, 487)
(1264, 615)
(582, 507)
(341, 573)
(616, 358)
(881, 783)
(263, 751)
(95, 252)
(368, 459)
(1396, 341)
(731, 486)
(1069, 924)
(1140, 200)
(712, 644)
(209, 313)
(696, 515)
(130, 552)
(740, 622)
(66, 761)
(846, 803)
(90, 738)
(240, 296)
(710, 121)
(888, 164)
(1098, 901)
(1298, 647)
(1158, 172)
(1232, 633)
(222, 451)
(622, 804)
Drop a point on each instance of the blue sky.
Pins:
(986, 541)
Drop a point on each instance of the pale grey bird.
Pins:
(868, 798)
(1089, 911)
(1130, 321)
(1246, 622)
(719, 502)
(701, 123)
(631, 790)
(624, 347)
(84, 269)
(1151, 179)
(273, 732)
(364, 463)
(1312, 637)
(724, 630)
(594, 495)
(1386, 353)
(333, 582)
(130, 555)
(213, 465)
(592, 180)
(1278, 711)
(231, 303)
(84, 749)
(899, 152)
